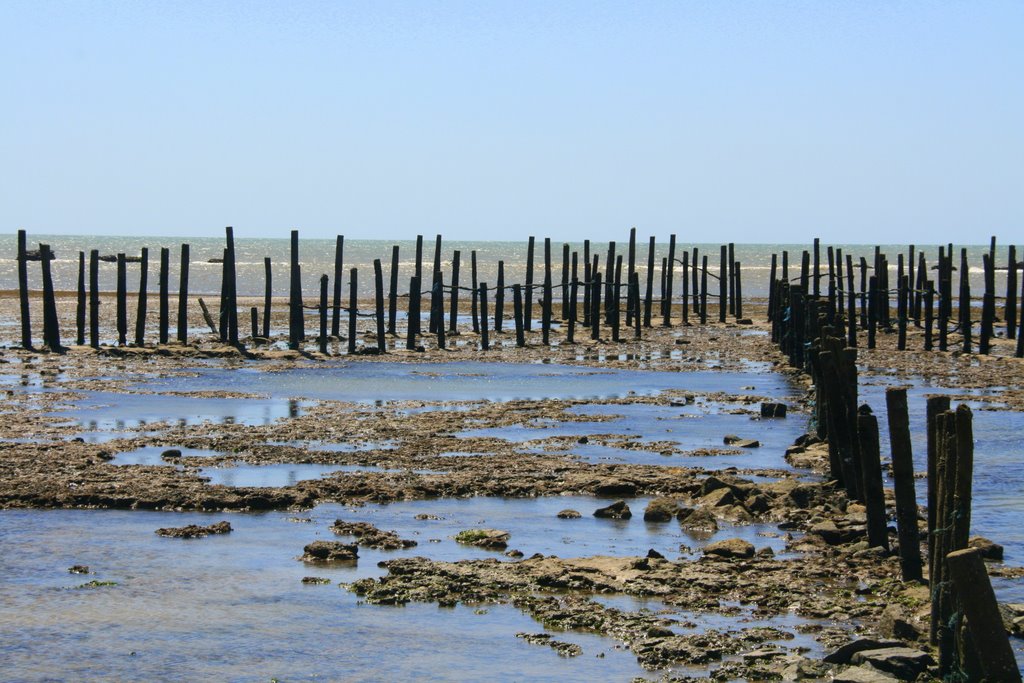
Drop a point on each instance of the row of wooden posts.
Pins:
(786, 297)
(976, 647)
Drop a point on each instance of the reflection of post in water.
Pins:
(293, 408)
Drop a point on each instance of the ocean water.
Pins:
(317, 258)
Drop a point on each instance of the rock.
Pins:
(171, 454)
(617, 510)
(370, 536)
(730, 547)
(832, 534)
(315, 580)
(615, 487)
(718, 498)
(1013, 617)
(712, 483)
(515, 554)
(563, 649)
(894, 623)
(861, 674)
(78, 569)
(773, 409)
(661, 510)
(488, 539)
(426, 516)
(902, 662)
(569, 514)
(845, 654)
(194, 531)
(990, 550)
(583, 440)
(653, 554)
(330, 551)
(733, 440)
(697, 520)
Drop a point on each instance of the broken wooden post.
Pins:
(378, 288)
(453, 315)
(232, 293)
(545, 302)
(254, 320)
(669, 272)
(929, 306)
(571, 332)
(499, 298)
(595, 307)
(26, 324)
(817, 268)
(704, 290)
(295, 313)
(165, 260)
(393, 292)
(871, 470)
(935, 406)
(80, 309)
(122, 304)
(649, 292)
(485, 342)
(322, 338)
(872, 311)
(437, 301)
(94, 299)
(738, 279)
(476, 292)
(51, 326)
(903, 483)
(722, 282)
(1010, 306)
(353, 308)
(901, 313)
(183, 298)
(978, 602)
(140, 310)
(517, 313)
(565, 285)
(339, 272)
(206, 316)
(528, 290)
(413, 313)
(851, 303)
(732, 279)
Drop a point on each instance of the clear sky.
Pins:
(767, 121)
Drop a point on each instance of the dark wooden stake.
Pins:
(413, 313)
(339, 275)
(183, 298)
(649, 292)
(903, 483)
(267, 297)
(322, 338)
(393, 292)
(528, 293)
(51, 326)
(353, 308)
(871, 470)
(122, 304)
(94, 299)
(80, 310)
(164, 308)
(485, 342)
(378, 287)
(517, 313)
(26, 323)
(453, 316)
(140, 311)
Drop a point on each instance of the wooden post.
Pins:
(871, 470)
(453, 316)
(903, 482)
(295, 324)
(685, 281)
(669, 274)
(94, 299)
(565, 284)
(649, 292)
(528, 291)
(517, 313)
(911, 310)
(322, 339)
(817, 268)
(122, 304)
(254, 319)
(571, 332)
(872, 310)
(51, 326)
(80, 309)
(935, 406)
(499, 298)
(222, 313)
(485, 342)
(140, 311)
(616, 294)
(393, 292)
(863, 293)
(851, 303)
(353, 308)
(267, 297)
(165, 258)
(731, 260)
(26, 323)
(1010, 307)
(595, 305)
(964, 476)
(232, 299)
(609, 282)
(476, 291)
(436, 291)
(414, 312)
(704, 290)
(901, 320)
(771, 286)
(965, 303)
(545, 303)
(738, 278)
(634, 296)
(988, 308)
(183, 298)
(696, 282)
(419, 260)
(587, 275)
(339, 272)
(978, 602)
(929, 304)
(378, 286)
(206, 316)
(1020, 325)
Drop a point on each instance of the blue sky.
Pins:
(740, 121)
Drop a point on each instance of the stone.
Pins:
(730, 547)
(194, 530)
(718, 498)
(733, 440)
(990, 550)
(488, 539)
(78, 569)
(370, 536)
(845, 653)
(661, 510)
(615, 487)
(894, 623)
(617, 510)
(697, 520)
(569, 514)
(832, 534)
(171, 454)
(773, 409)
(330, 551)
(902, 662)
(861, 674)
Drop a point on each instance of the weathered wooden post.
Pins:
(378, 287)
(80, 310)
(988, 308)
(731, 261)
(571, 332)
(685, 282)
(499, 298)
(183, 298)
(634, 296)
(872, 310)
(545, 303)
(140, 311)
(901, 313)
(413, 313)
(254, 320)
(935, 406)
(614, 304)
(517, 313)
(1010, 307)
(436, 290)
(94, 299)
(738, 279)
(295, 323)
(696, 283)
(453, 316)
(165, 258)
(609, 282)
(851, 303)
(122, 304)
(353, 308)
(649, 292)
(26, 323)
(669, 273)
(528, 290)
(476, 291)
(267, 297)
(437, 303)
(929, 304)
(1020, 325)
(232, 299)
(871, 470)
(339, 273)
(587, 275)
(965, 303)
(704, 290)
(978, 602)
(817, 268)
(419, 259)
(485, 342)
(393, 292)
(322, 338)
(565, 284)
(595, 304)
(903, 483)
(51, 327)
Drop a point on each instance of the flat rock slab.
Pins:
(731, 547)
(862, 674)
(194, 530)
(617, 510)
(330, 551)
(902, 662)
